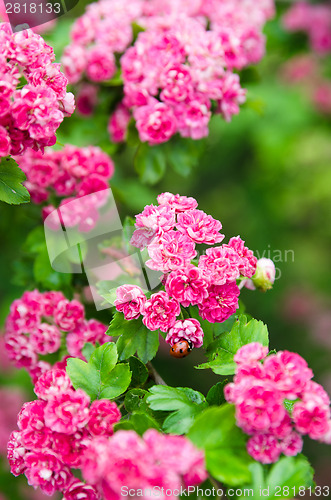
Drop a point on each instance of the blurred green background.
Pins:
(267, 177)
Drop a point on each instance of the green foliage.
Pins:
(184, 403)
(283, 479)
(215, 431)
(101, 377)
(139, 371)
(34, 268)
(223, 349)
(11, 177)
(182, 155)
(215, 396)
(134, 337)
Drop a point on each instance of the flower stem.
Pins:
(154, 374)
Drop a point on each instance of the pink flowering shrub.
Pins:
(180, 65)
(70, 173)
(164, 461)
(55, 431)
(277, 402)
(32, 111)
(37, 325)
(171, 231)
(315, 20)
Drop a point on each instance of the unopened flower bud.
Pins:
(265, 274)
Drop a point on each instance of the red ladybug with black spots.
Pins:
(181, 349)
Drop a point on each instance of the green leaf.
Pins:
(118, 381)
(135, 400)
(11, 177)
(139, 371)
(185, 404)
(283, 480)
(183, 154)
(223, 349)
(215, 396)
(215, 431)
(142, 422)
(88, 350)
(135, 337)
(150, 163)
(100, 377)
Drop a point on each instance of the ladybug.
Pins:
(181, 349)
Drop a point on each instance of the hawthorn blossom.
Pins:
(130, 300)
(160, 312)
(188, 329)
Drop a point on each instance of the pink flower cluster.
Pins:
(165, 461)
(315, 20)
(176, 68)
(71, 172)
(277, 402)
(33, 97)
(38, 322)
(171, 231)
(54, 432)
(308, 72)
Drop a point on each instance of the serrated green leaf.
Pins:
(139, 371)
(223, 349)
(215, 431)
(88, 350)
(100, 377)
(135, 400)
(117, 382)
(215, 396)
(142, 422)
(150, 163)
(135, 337)
(287, 475)
(184, 402)
(11, 177)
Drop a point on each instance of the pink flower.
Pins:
(232, 96)
(4, 142)
(46, 339)
(177, 84)
(172, 251)
(311, 417)
(68, 315)
(264, 448)
(103, 415)
(292, 444)
(153, 221)
(250, 353)
(101, 64)
(130, 300)
(259, 407)
(193, 117)
(79, 490)
(188, 329)
(247, 261)
(87, 99)
(16, 454)
(118, 123)
(220, 265)
(155, 122)
(187, 285)
(160, 312)
(289, 372)
(177, 202)
(200, 227)
(44, 469)
(51, 383)
(67, 411)
(221, 303)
